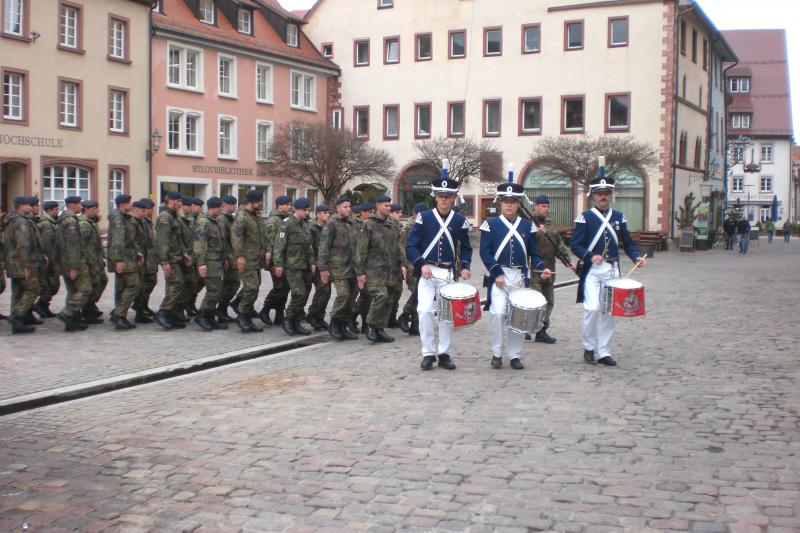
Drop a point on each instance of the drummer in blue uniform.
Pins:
(598, 235)
(430, 247)
(507, 242)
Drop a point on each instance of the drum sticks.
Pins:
(635, 267)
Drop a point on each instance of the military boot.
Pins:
(279, 314)
(393, 322)
(179, 316)
(212, 319)
(119, 323)
(141, 317)
(18, 326)
(162, 319)
(372, 334)
(404, 321)
(352, 324)
(316, 324)
(201, 319)
(222, 314)
(70, 324)
(243, 323)
(299, 329)
(43, 309)
(542, 336)
(235, 304)
(177, 323)
(414, 328)
(336, 330)
(384, 337)
(346, 333)
(263, 315)
(31, 320)
(190, 309)
(288, 326)
(88, 317)
(93, 310)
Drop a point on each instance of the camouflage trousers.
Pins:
(394, 292)
(126, 289)
(410, 308)
(99, 283)
(276, 298)
(173, 289)
(214, 291)
(547, 288)
(322, 295)
(192, 285)
(345, 300)
(251, 283)
(24, 293)
(230, 284)
(79, 291)
(380, 305)
(50, 283)
(300, 286)
(362, 302)
(147, 283)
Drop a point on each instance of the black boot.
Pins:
(222, 314)
(94, 310)
(352, 324)
(119, 324)
(346, 333)
(288, 326)
(243, 323)
(372, 334)
(299, 329)
(149, 312)
(190, 310)
(446, 362)
(279, 314)
(404, 321)
(235, 304)
(263, 316)
(180, 315)
(31, 320)
(542, 336)
(18, 326)
(70, 324)
(141, 317)
(177, 323)
(43, 309)
(162, 319)
(336, 330)
(427, 362)
(88, 317)
(384, 337)
(212, 319)
(393, 322)
(414, 328)
(201, 319)
(316, 323)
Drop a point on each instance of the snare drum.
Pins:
(623, 297)
(525, 311)
(459, 304)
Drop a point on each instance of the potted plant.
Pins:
(686, 215)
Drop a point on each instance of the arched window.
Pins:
(698, 152)
(560, 192)
(60, 181)
(682, 148)
(116, 185)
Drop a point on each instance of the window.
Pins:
(737, 185)
(740, 121)
(740, 85)
(698, 153)
(423, 48)
(336, 118)
(184, 68)
(765, 213)
(618, 112)
(361, 53)
(226, 81)
(69, 26)
(118, 111)
(69, 111)
(244, 21)
(391, 50)
(618, 32)
(530, 116)
(327, 50)
(292, 35)
(263, 83)
(15, 103)
(302, 144)
(683, 86)
(157, 6)
(573, 35)
(116, 185)
(206, 12)
(492, 41)
(458, 44)
(705, 53)
(492, 110)
(683, 37)
(60, 181)
(13, 13)
(682, 148)
(184, 132)
(422, 121)
(117, 38)
(361, 122)
(226, 137)
(572, 114)
(304, 95)
(455, 119)
(531, 38)
(738, 154)
(766, 153)
(383, 4)
(391, 122)
(263, 140)
(766, 184)
(694, 46)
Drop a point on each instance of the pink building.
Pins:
(226, 74)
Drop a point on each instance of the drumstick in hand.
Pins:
(635, 267)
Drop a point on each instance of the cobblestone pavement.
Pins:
(696, 430)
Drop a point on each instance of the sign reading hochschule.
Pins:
(32, 141)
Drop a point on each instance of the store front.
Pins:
(414, 186)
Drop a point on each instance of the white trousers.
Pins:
(598, 327)
(427, 293)
(498, 311)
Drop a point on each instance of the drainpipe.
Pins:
(150, 107)
(725, 171)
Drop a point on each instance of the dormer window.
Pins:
(206, 11)
(291, 35)
(245, 21)
(740, 85)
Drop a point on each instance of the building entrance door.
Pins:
(12, 183)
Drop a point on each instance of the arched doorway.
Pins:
(560, 192)
(414, 186)
(629, 198)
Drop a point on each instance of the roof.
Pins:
(177, 16)
(300, 13)
(763, 54)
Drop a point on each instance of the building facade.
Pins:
(226, 75)
(414, 70)
(760, 125)
(75, 83)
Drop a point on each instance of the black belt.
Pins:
(612, 261)
(440, 265)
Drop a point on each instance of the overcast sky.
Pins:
(730, 15)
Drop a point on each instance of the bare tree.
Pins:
(576, 158)
(468, 159)
(326, 159)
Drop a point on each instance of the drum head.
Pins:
(623, 283)
(527, 299)
(458, 290)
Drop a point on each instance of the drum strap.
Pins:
(605, 224)
(512, 232)
(442, 231)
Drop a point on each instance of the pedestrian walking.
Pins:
(124, 258)
(770, 229)
(21, 263)
(294, 260)
(787, 231)
(398, 276)
(248, 240)
(743, 230)
(74, 265)
(173, 260)
(210, 253)
(230, 282)
(322, 291)
(277, 296)
(48, 225)
(148, 269)
(408, 319)
(96, 257)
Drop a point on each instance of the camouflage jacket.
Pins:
(187, 233)
(292, 247)
(337, 248)
(377, 251)
(122, 242)
(47, 236)
(226, 223)
(551, 248)
(69, 245)
(92, 243)
(146, 244)
(271, 226)
(247, 238)
(169, 237)
(20, 246)
(315, 230)
(209, 244)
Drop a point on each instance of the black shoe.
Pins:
(31, 320)
(445, 362)
(542, 336)
(299, 329)
(497, 363)
(141, 317)
(190, 309)
(163, 319)
(393, 323)
(149, 312)
(288, 326)
(335, 331)
(70, 324)
(253, 327)
(243, 323)
(43, 310)
(427, 362)
(316, 323)
(263, 316)
(119, 323)
(279, 316)
(222, 315)
(18, 326)
(352, 325)
(212, 319)
(88, 317)
(516, 364)
(179, 315)
(177, 323)
(128, 324)
(372, 334)
(202, 320)
(607, 360)
(588, 356)
(414, 329)
(404, 321)
(384, 337)
(528, 337)
(324, 324)
(346, 333)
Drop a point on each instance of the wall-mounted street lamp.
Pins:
(155, 144)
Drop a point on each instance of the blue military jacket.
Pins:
(515, 250)
(614, 231)
(427, 236)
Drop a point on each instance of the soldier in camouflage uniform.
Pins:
(397, 276)
(230, 280)
(186, 305)
(276, 298)
(361, 305)
(21, 263)
(124, 258)
(50, 274)
(408, 319)
(551, 247)
(95, 253)
(2, 259)
(378, 258)
(198, 282)
(211, 256)
(73, 264)
(335, 261)
(294, 259)
(173, 260)
(322, 291)
(147, 264)
(247, 238)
